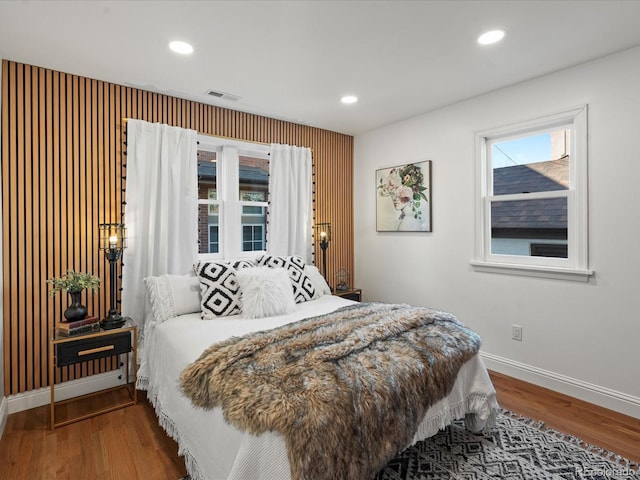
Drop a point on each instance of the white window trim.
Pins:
(230, 207)
(576, 266)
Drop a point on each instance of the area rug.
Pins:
(517, 448)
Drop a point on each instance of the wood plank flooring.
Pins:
(595, 425)
(125, 444)
(129, 444)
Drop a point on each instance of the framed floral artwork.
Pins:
(403, 198)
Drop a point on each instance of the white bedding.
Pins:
(213, 449)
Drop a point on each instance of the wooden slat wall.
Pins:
(62, 154)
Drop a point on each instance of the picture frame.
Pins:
(403, 198)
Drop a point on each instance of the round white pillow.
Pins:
(265, 292)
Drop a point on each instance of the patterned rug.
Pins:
(516, 448)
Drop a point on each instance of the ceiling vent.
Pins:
(223, 95)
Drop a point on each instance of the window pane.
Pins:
(208, 230)
(254, 179)
(207, 175)
(530, 227)
(251, 210)
(536, 163)
(253, 237)
(254, 221)
(214, 243)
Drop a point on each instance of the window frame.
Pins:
(575, 266)
(253, 225)
(220, 187)
(209, 242)
(228, 188)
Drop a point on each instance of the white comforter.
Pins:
(213, 449)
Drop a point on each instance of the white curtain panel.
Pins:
(161, 210)
(289, 231)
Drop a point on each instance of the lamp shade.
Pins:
(113, 236)
(323, 232)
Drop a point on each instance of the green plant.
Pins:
(73, 282)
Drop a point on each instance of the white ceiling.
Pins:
(293, 60)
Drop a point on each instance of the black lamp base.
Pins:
(112, 320)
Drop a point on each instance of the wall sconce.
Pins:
(113, 239)
(323, 236)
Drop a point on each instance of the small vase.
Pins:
(75, 311)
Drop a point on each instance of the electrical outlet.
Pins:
(516, 332)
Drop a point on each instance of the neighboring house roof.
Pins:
(248, 174)
(536, 214)
(533, 177)
(254, 175)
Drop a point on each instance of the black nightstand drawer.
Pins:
(351, 294)
(91, 348)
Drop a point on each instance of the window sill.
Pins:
(575, 275)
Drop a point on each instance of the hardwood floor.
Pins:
(123, 444)
(595, 425)
(129, 443)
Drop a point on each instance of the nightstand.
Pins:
(83, 347)
(351, 294)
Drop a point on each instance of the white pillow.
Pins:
(158, 290)
(185, 293)
(320, 284)
(265, 292)
(173, 295)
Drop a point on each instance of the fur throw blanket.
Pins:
(347, 390)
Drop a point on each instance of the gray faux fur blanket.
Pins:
(346, 390)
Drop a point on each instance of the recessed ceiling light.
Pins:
(183, 48)
(349, 99)
(493, 36)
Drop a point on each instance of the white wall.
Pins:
(580, 338)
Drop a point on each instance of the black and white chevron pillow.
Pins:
(303, 289)
(219, 287)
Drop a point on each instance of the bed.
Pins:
(214, 449)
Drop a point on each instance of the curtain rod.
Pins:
(125, 120)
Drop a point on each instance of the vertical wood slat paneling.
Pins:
(62, 175)
(39, 224)
(19, 248)
(47, 234)
(30, 217)
(6, 243)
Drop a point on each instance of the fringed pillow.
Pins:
(173, 295)
(158, 290)
(265, 292)
(319, 283)
(219, 287)
(303, 289)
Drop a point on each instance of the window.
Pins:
(233, 187)
(532, 203)
(214, 242)
(253, 238)
(208, 204)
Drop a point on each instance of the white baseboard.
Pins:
(605, 397)
(63, 391)
(4, 413)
